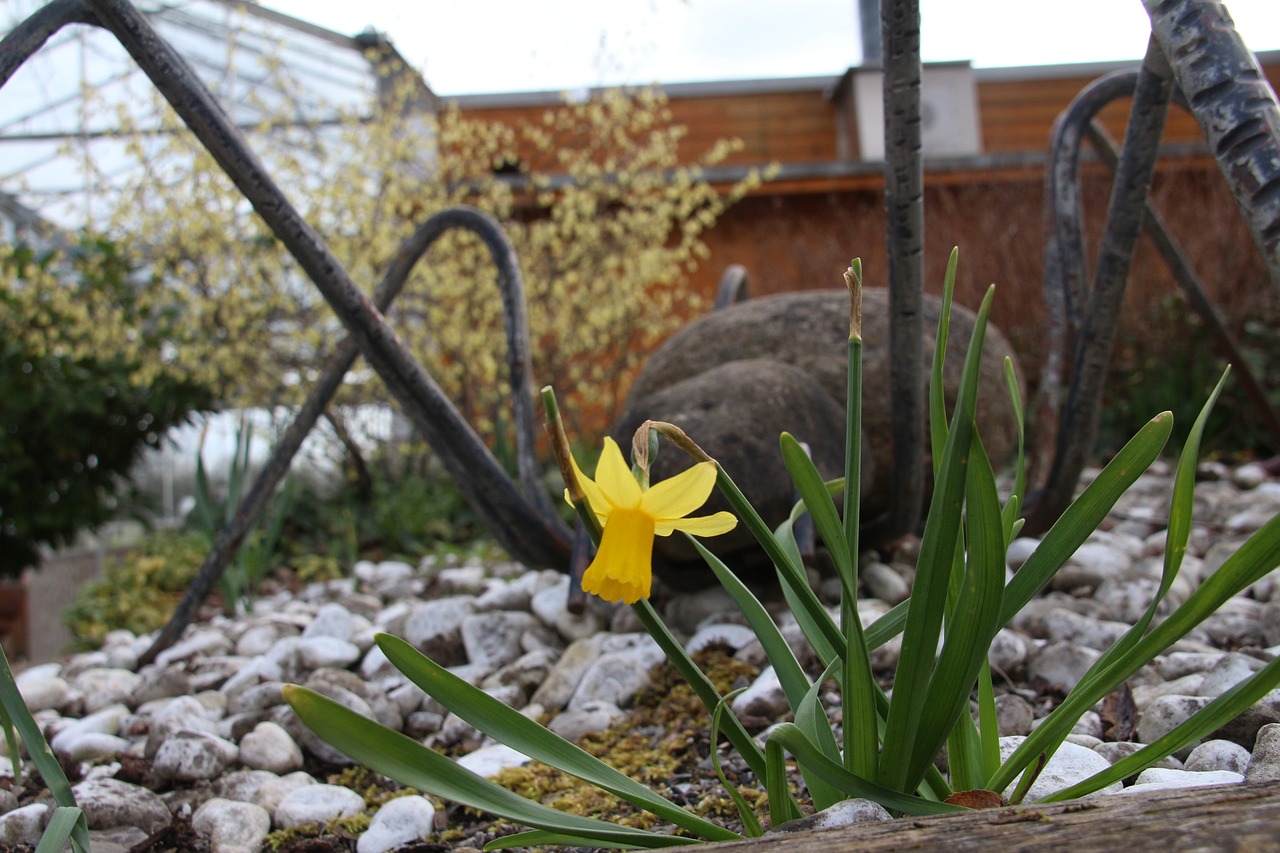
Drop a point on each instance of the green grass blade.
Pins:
(750, 823)
(817, 500)
(508, 726)
(67, 824)
(410, 763)
(789, 737)
(973, 623)
(1019, 493)
(37, 747)
(933, 576)
(702, 686)
(536, 838)
(937, 397)
(988, 727)
(814, 620)
(1207, 720)
(795, 684)
(782, 806)
(787, 563)
(811, 718)
(1259, 555)
(1084, 515)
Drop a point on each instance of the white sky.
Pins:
(472, 46)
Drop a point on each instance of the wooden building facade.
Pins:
(986, 141)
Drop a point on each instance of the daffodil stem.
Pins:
(733, 730)
(564, 460)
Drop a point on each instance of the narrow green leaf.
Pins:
(787, 564)
(937, 398)
(1259, 555)
(817, 500)
(750, 823)
(814, 620)
(787, 736)
(1084, 515)
(66, 824)
(1207, 720)
(974, 622)
(811, 718)
(1014, 504)
(410, 763)
(782, 806)
(988, 725)
(538, 838)
(508, 726)
(933, 576)
(795, 684)
(702, 686)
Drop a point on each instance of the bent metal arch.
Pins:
(1194, 46)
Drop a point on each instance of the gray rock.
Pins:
(433, 628)
(764, 698)
(488, 761)
(1070, 764)
(1264, 765)
(106, 721)
(1244, 728)
(332, 620)
(1218, 755)
(1160, 778)
(23, 825)
(1020, 550)
(1115, 751)
(1014, 715)
(193, 756)
(1228, 671)
(317, 803)
(1166, 713)
(528, 672)
(241, 785)
(110, 803)
(1009, 650)
(232, 827)
(91, 746)
(550, 604)
(493, 639)
(203, 642)
(398, 822)
(725, 633)
(269, 747)
(1092, 563)
(272, 792)
(884, 583)
(42, 694)
(617, 676)
(182, 714)
(105, 687)
(588, 718)
(843, 813)
(1062, 663)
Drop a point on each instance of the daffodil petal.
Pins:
(596, 498)
(623, 567)
(614, 478)
(682, 494)
(701, 525)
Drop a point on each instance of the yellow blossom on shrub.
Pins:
(632, 515)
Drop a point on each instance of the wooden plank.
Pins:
(1221, 817)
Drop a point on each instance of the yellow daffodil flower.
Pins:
(631, 516)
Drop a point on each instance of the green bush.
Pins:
(75, 410)
(139, 591)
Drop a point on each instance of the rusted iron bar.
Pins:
(515, 523)
(1078, 425)
(904, 209)
(1234, 105)
(1187, 280)
(230, 537)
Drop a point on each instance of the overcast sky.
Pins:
(472, 46)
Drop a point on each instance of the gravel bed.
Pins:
(198, 751)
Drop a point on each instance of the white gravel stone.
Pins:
(272, 792)
(1228, 671)
(90, 746)
(491, 760)
(1070, 764)
(764, 698)
(42, 694)
(232, 827)
(492, 639)
(550, 605)
(1160, 778)
(24, 825)
(269, 747)
(317, 803)
(332, 620)
(727, 633)
(398, 822)
(843, 813)
(1165, 714)
(588, 718)
(109, 803)
(1062, 663)
(1218, 755)
(105, 721)
(1020, 550)
(617, 676)
(193, 756)
(1264, 764)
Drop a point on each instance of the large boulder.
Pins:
(737, 377)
